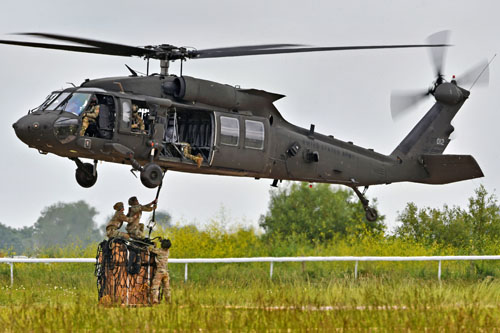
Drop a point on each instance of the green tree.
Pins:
(473, 230)
(66, 223)
(318, 212)
(163, 219)
(15, 240)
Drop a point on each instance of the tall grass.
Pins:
(241, 297)
(371, 303)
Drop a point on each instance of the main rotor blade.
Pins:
(105, 47)
(479, 74)
(438, 53)
(251, 47)
(404, 101)
(84, 49)
(238, 53)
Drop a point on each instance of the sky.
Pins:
(345, 94)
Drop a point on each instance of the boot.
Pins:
(199, 160)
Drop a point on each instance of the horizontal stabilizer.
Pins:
(444, 169)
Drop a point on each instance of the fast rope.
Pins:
(152, 223)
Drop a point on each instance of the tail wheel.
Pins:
(85, 175)
(151, 175)
(371, 214)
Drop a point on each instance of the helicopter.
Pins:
(161, 121)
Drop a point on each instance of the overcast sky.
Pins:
(345, 94)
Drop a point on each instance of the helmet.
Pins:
(133, 201)
(118, 206)
(166, 243)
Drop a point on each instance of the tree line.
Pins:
(316, 214)
(60, 224)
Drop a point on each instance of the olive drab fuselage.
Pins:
(238, 132)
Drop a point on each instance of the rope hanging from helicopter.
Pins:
(152, 222)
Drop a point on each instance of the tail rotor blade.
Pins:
(402, 102)
(438, 53)
(479, 75)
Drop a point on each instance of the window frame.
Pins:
(237, 132)
(263, 134)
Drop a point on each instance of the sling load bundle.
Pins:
(124, 271)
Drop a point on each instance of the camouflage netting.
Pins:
(124, 271)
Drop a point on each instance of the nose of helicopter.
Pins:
(29, 129)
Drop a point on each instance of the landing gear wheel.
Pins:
(85, 176)
(371, 214)
(151, 175)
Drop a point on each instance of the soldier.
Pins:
(186, 150)
(137, 122)
(117, 221)
(136, 229)
(90, 116)
(161, 276)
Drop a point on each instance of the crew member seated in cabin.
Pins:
(90, 115)
(186, 150)
(137, 122)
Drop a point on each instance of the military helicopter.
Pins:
(160, 122)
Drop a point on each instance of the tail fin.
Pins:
(432, 133)
(444, 169)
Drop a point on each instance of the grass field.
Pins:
(241, 297)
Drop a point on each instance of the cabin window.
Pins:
(254, 134)
(126, 112)
(229, 131)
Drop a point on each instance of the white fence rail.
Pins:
(271, 260)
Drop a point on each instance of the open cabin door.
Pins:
(187, 128)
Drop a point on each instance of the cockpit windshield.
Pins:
(49, 99)
(54, 102)
(75, 104)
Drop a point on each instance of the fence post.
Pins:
(11, 274)
(186, 272)
(439, 271)
(356, 270)
(271, 270)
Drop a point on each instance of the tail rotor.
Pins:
(404, 101)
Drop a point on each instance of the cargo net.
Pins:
(124, 271)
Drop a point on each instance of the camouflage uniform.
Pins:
(116, 222)
(134, 228)
(137, 122)
(161, 277)
(186, 150)
(89, 116)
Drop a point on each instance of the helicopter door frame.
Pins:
(125, 116)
